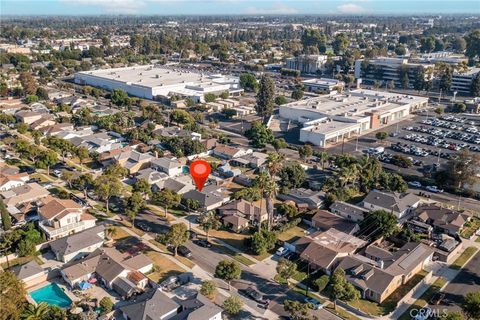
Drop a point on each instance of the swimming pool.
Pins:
(51, 294)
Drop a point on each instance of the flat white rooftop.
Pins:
(157, 76)
(353, 104)
(322, 82)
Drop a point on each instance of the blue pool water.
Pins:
(51, 294)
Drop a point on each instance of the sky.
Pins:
(236, 7)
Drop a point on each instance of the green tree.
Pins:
(68, 176)
(473, 44)
(106, 304)
(279, 100)
(177, 235)
(21, 127)
(209, 221)
(120, 97)
(341, 43)
(209, 97)
(292, 175)
(142, 186)
(249, 82)
(134, 204)
(263, 240)
(427, 44)
(82, 154)
(286, 269)
(47, 159)
(298, 310)
(55, 313)
(381, 135)
(297, 94)
(279, 143)
(31, 98)
(6, 219)
(228, 270)
(378, 223)
(233, 305)
(322, 282)
(265, 96)
(475, 86)
(471, 305)
(116, 170)
(305, 152)
(259, 135)
(229, 113)
(83, 182)
(460, 171)
(35, 312)
(209, 289)
(341, 289)
(107, 186)
(167, 198)
(289, 210)
(12, 295)
(453, 316)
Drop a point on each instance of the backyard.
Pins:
(470, 227)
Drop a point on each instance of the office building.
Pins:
(307, 63)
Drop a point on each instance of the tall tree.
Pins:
(259, 135)
(167, 198)
(265, 96)
(473, 44)
(233, 305)
(107, 186)
(209, 221)
(35, 312)
(177, 235)
(298, 310)
(12, 296)
(341, 289)
(286, 269)
(228, 270)
(340, 44)
(471, 305)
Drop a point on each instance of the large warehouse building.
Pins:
(330, 119)
(157, 82)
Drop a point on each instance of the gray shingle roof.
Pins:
(27, 270)
(153, 305)
(78, 241)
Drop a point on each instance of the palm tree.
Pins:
(33, 312)
(274, 163)
(323, 157)
(348, 174)
(111, 231)
(268, 188)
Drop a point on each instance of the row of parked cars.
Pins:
(417, 151)
(438, 142)
(470, 136)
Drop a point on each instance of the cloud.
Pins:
(350, 8)
(112, 6)
(277, 9)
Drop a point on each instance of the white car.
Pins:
(415, 184)
(281, 251)
(434, 189)
(57, 173)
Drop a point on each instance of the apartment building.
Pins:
(462, 82)
(307, 63)
(385, 69)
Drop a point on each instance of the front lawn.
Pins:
(463, 258)
(470, 227)
(292, 234)
(163, 267)
(187, 262)
(424, 298)
(341, 312)
(235, 255)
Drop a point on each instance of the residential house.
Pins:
(79, 244)
(253, 160)
(443, 220)
(180, 184)
(399, 204)
(46, 120)
(325, 220)
(323, 250)
(226, 152)
(98, 142)
(151, 176)
(28, 117)
(227, 171)
(10, 181)
(211, 197)
(156, 305)
(348, 211)
(123, 273)
(31, 273)
(61, 217)
(381, 272)
(301, 196)
(170, 166)
(177, 132)
(24, 193)
(243, 180)
(240, 214)
(133, 160)
(56, 129)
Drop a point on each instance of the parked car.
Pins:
(202, 243)
(281, 251)
(434, 189)
(144, 227)
(415, 184)
(313, 303)
(57, 173)
(184, 251)
(255, 295)
(437, 298)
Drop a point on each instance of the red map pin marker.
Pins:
(200, 169)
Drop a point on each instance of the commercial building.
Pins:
(384, 70)
(323, 85)
(462, 82)
(157, 82)
(307, 63)
(330, 119)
